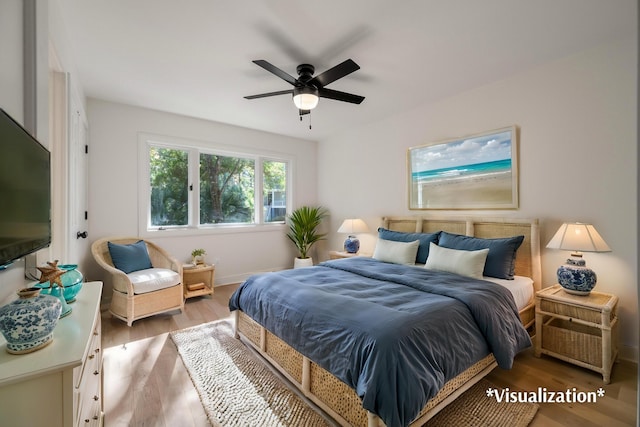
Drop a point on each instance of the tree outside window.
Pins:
(169, 186)
(226, 189)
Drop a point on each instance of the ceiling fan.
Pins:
(307, 88)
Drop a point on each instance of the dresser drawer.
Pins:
(88, 382)
(92, 416)
(93, 359)
(89, 393)
(90, 403)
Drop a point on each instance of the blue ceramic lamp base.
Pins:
(575, 277)
(352, 245)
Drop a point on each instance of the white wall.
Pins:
(578, 160)
(11, 47)
(11, 101)
(62, 49)
(12, 96)
(113, 184)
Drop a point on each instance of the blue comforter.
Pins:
(394, 333)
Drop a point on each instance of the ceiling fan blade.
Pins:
(335, 73)
(275, 70)
(340, 96)
(264, 95)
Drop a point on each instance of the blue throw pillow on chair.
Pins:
(130, 257)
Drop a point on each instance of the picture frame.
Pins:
(477, 171)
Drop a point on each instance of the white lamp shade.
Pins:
(578, 237)
(305, 98)
(352, 226)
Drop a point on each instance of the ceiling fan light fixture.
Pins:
(305, 98)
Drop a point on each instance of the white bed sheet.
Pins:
(520, 287)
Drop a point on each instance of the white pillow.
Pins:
(464, 263)
(396, 252)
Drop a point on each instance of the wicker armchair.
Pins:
(125, 303)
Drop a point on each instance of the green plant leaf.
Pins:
(303, 223)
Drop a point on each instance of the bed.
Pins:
(317, 363)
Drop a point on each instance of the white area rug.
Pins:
(235, 386)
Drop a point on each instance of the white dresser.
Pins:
(61, 384)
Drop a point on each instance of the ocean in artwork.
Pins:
(463, 171)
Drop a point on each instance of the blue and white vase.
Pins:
(28, 322)
(576, 278)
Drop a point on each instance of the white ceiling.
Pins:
(193, 57)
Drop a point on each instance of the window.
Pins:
(274, 191)
(194, 187)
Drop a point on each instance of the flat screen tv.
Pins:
(25, 192)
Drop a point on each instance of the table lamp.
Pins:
(351, 227)
(574, 276)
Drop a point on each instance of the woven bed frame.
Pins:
(339, 400)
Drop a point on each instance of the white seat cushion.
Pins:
(153, 279)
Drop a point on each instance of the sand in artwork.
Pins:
(472, 191)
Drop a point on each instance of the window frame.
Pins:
(194, 149)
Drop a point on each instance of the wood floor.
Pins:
(146, 384)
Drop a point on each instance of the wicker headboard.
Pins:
(528, 255)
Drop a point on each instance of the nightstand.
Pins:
(582, 330)
(343, 254)
(198, 281)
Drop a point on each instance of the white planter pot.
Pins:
(302, 262)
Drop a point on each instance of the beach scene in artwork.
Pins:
(469, 173)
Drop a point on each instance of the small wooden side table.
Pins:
(197, 281)
(582, 330)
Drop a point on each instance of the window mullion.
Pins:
(289, 187)
(258, 193)
(194, 188)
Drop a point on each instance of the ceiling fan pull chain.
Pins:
(309, 120)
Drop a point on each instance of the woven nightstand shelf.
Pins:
(582, 330)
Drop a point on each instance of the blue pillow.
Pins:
(131, 257)
(424, 238)
(501, 261)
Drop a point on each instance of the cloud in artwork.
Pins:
(462, 152)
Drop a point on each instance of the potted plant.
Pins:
(198, 256)
(303, 223)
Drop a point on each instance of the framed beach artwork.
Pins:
(474, 172)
